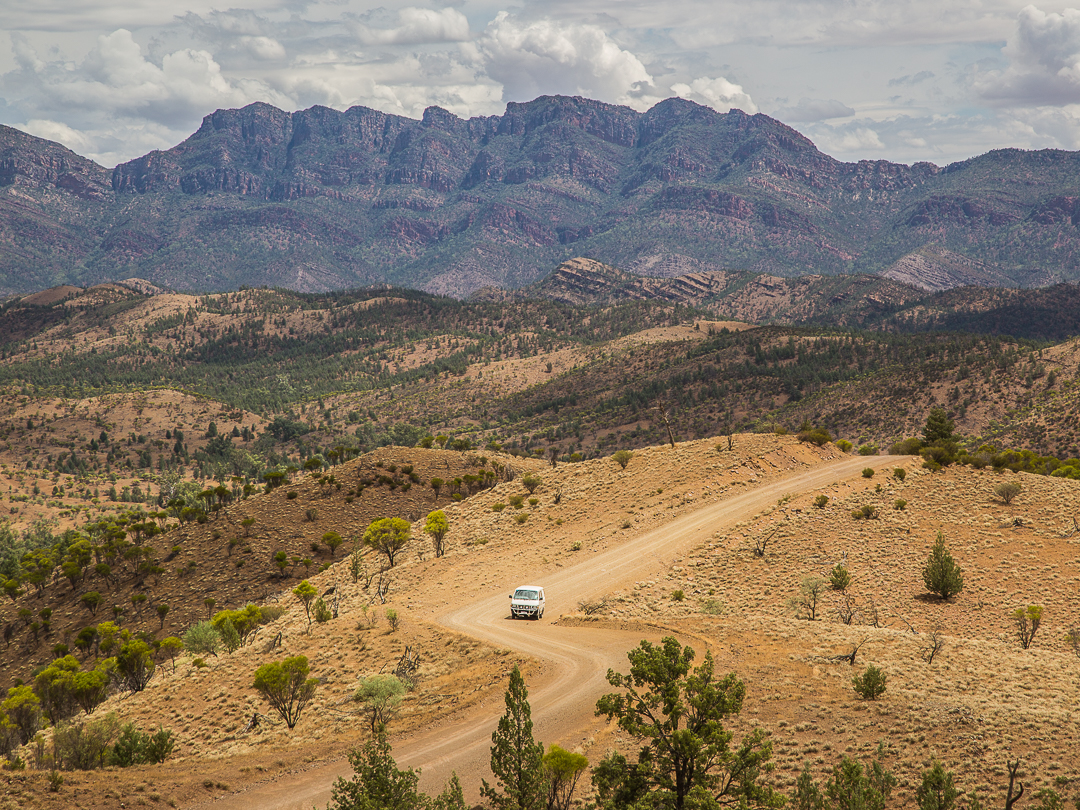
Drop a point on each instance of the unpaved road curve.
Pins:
(576, 659)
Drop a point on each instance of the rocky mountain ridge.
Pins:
(320, 199)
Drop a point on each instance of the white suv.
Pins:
(527, 601)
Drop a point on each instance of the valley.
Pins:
(653, 457)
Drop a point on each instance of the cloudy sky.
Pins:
(904, 80)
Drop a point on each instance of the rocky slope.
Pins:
(320, 199)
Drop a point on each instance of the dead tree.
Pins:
(382, 587)
(849, 657)
(934, 644)
(1010, 800)
(761, 542)
(662, 409)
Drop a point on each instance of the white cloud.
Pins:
(718, 93)
(263, 48)
(116, 78)
(531, 58)
(851, 142)
(1044, 61)
(419, 25)
(814, 109)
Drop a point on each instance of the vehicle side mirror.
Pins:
(511, 596)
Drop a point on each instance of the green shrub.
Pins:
(136, 747)
(321, 611)
(1007, 490)
(521, 518)
(865, 512)
(844, 446)
(531, 482)
(678, 596)
(291, 495)
(868, 472)
(818, 436)
(821, 501)
(498, 507)
(899, 504)
(517, 501)
(392, 619)
(868, 450)
(941, 574)
(870, 685)
(840, 578)
(899, 473)
(622, 457)
(907, 447)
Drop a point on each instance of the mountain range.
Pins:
(319, 199)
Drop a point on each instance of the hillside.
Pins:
(319, 200)
(285, 375)
(232, 563)
(973, 708)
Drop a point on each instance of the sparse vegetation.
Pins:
(622, 457)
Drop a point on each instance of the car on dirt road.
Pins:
(527, 602)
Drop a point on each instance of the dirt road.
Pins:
(575, 659)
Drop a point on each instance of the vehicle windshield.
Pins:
(526, 593)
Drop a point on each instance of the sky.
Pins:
(902, 80)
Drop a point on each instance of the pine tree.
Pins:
(517, 760)
(942, 575)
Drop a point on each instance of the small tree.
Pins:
(377, 783)
(170, 648)
(937, 791)
(942, 575)
(622, 457)
(1027, 623)
(381, 696)
(851, 788)
(91, 601)
(357, 569)
(806, 603)
(1007, 490)
(162, 612)
(531, 482)
(563, 769)
(870, 684)
(939, 427)
(808, 795)
(202, 638)
(332, 540)
(516, 758)
(437, 526)
(840, 578)
(388, 536)
(687, 757)
(135, 665)
(306, 593)
(286, 686)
